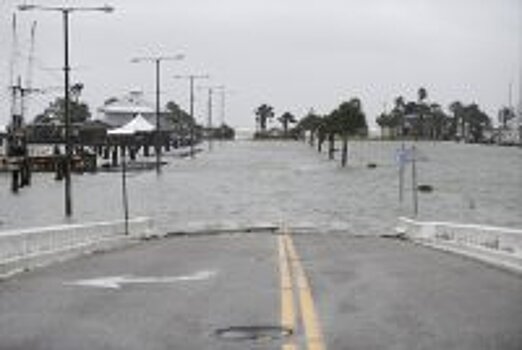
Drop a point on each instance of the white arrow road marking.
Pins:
(116, 282)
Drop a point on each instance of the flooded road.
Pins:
(294, 289)
(257, 183)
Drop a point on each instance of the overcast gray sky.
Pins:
(292, 54)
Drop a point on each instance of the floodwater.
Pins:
(250, 183)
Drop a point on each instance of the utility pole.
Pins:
(192, 78)
(66, 11)
(157, 62)
(222, 90)
(210, 90)
(223, 104)
(68, 146)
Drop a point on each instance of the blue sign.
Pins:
(404, 155)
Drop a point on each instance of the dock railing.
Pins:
(26, 248)
(495, 244)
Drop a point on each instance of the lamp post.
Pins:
(191, 78)
(224, 92)
(157, 62)
(209, 116)
(66, 11)
(210, 90)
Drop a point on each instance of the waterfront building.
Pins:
(118, 111)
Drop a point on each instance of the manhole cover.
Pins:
(253, 333)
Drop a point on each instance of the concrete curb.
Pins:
(494, 258)
(498, 246)
(29, 263)
(28, 249)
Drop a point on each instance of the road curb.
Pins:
(492, 258)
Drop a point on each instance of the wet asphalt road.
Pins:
(367, 293)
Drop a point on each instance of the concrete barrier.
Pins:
(498, 245)
(27, 248)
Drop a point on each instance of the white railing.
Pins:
(20, 249)
(499, 239)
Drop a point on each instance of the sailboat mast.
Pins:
(13, 67)
(28, 89)
(520, 73)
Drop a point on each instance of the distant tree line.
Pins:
(55, 112)
(422, 120)
(345, 121)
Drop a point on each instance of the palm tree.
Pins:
(350, 120)
(478, 122)
(422, 110)
(310, 123)
(329, 128)
(181, 120)
(79, 112)
(286, 119)
(457, 108)
(472, 119)
(505, 115)
(394, 121)
(438, 122)
(76, 91)
(263, 114)
(422, 94)
(321, 134)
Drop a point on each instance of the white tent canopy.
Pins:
(138, 124)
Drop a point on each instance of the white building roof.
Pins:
(131, 103)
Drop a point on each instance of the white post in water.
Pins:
(125, 197)
(414, 181)
(402, 161)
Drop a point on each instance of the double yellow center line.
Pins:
(294, 281)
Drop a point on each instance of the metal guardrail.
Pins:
(499, 245)
(25, 248)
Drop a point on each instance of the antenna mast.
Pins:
(520, 74)
(28, 89)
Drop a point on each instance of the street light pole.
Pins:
(157, 61)
(210, 91)
(223, 105)
(68, 146)
(192, 78)
(67, 117)
(157, 143)
(223, 92)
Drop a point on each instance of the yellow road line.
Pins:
(288, 318)
(314, 335)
